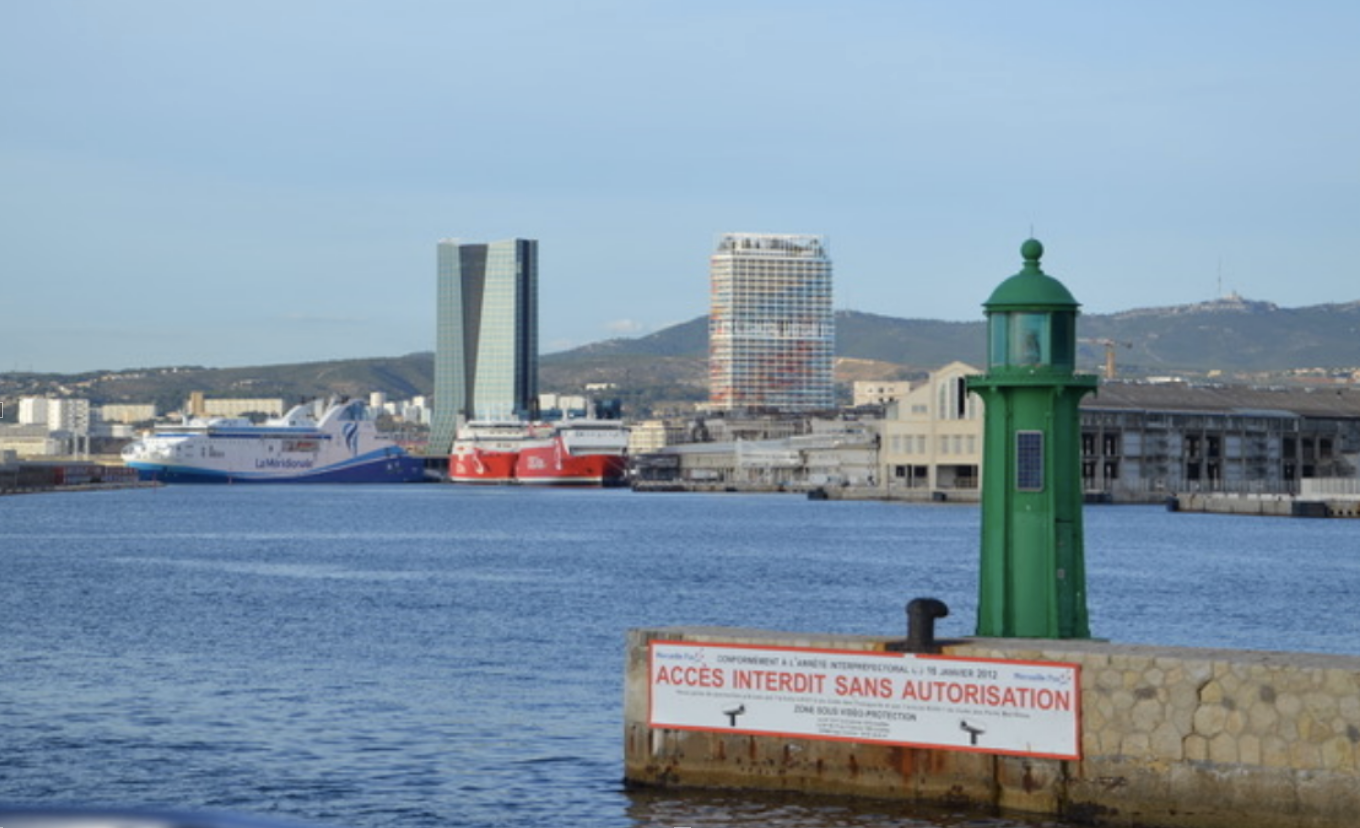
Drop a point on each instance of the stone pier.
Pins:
(1171, 737)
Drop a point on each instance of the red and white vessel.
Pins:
(486, 450)
(580, 452)
(575, 453)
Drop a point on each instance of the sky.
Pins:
(260, 182)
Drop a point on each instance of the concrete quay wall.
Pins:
(1267, 505)
(1170, 737)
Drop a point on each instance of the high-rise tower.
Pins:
(771, 331)
(486, 344)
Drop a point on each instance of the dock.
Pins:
(32, 476)
(1086, 730)
(1305, 506)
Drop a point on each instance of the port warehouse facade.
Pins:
(1141, 442)
(1157, 438)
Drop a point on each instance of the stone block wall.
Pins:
(1174, 737)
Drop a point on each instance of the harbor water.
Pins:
(435, 655)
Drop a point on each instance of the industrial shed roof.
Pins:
(1321, 401)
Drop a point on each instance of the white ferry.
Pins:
(341, 446)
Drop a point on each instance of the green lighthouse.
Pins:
(1032, 582)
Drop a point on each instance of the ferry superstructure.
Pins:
(341, 446)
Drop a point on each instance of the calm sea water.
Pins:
(450, 656)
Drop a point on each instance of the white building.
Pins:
(570, 405)
(68, 415)
(272, 407)
(127, 413)
(32, 441)
(33, 411)
(932, 435)
(49, 426)
(771, 330)
(415, 413)
(879, 392)
(653, 435)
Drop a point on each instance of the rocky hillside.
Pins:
(1231, 338)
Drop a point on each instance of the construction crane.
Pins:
(1110, 346)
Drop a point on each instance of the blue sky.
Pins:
(241, 183)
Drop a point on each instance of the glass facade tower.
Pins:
(771, 328)
(486, 343)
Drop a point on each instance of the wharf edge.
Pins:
(1170, 738)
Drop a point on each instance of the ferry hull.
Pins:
(404, 469)
(476, 466)
(552, 466)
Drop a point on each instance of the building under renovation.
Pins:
(771, 325)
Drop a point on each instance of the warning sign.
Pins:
(987, 705)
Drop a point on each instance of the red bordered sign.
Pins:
(1019, 708)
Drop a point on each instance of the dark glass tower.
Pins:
(486, 345)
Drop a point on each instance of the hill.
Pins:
(1232, 338)
(168, 388)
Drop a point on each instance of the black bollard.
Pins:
(921, 615)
